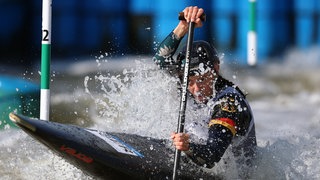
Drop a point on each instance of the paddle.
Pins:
(183, 100)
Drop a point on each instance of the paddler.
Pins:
(229, 123)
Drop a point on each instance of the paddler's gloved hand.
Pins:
(180, 141)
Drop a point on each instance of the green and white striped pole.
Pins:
(45, 60)
(252, 53)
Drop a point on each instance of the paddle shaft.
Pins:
(183, 101)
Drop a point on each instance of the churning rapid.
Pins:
(132, 95)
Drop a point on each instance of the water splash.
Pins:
(142, 100)
(294, 158)
(23, 158)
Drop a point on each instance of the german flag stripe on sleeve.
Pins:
(226, 122)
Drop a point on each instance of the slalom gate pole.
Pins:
(252, 53)
(45, 60)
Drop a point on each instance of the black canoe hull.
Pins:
(108, 155)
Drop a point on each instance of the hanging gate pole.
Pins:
(45, 60)
(252, 53)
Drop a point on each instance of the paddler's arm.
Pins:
(167, 48)
(206, 155)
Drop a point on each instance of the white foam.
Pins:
(138, 98)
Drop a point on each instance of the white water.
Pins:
(141, 99)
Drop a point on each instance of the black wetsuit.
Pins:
(231, 122)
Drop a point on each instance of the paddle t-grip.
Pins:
(202, 17)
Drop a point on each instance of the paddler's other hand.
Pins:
(180, 141)
(193, 14)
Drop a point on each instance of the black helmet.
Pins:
(203, 56)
